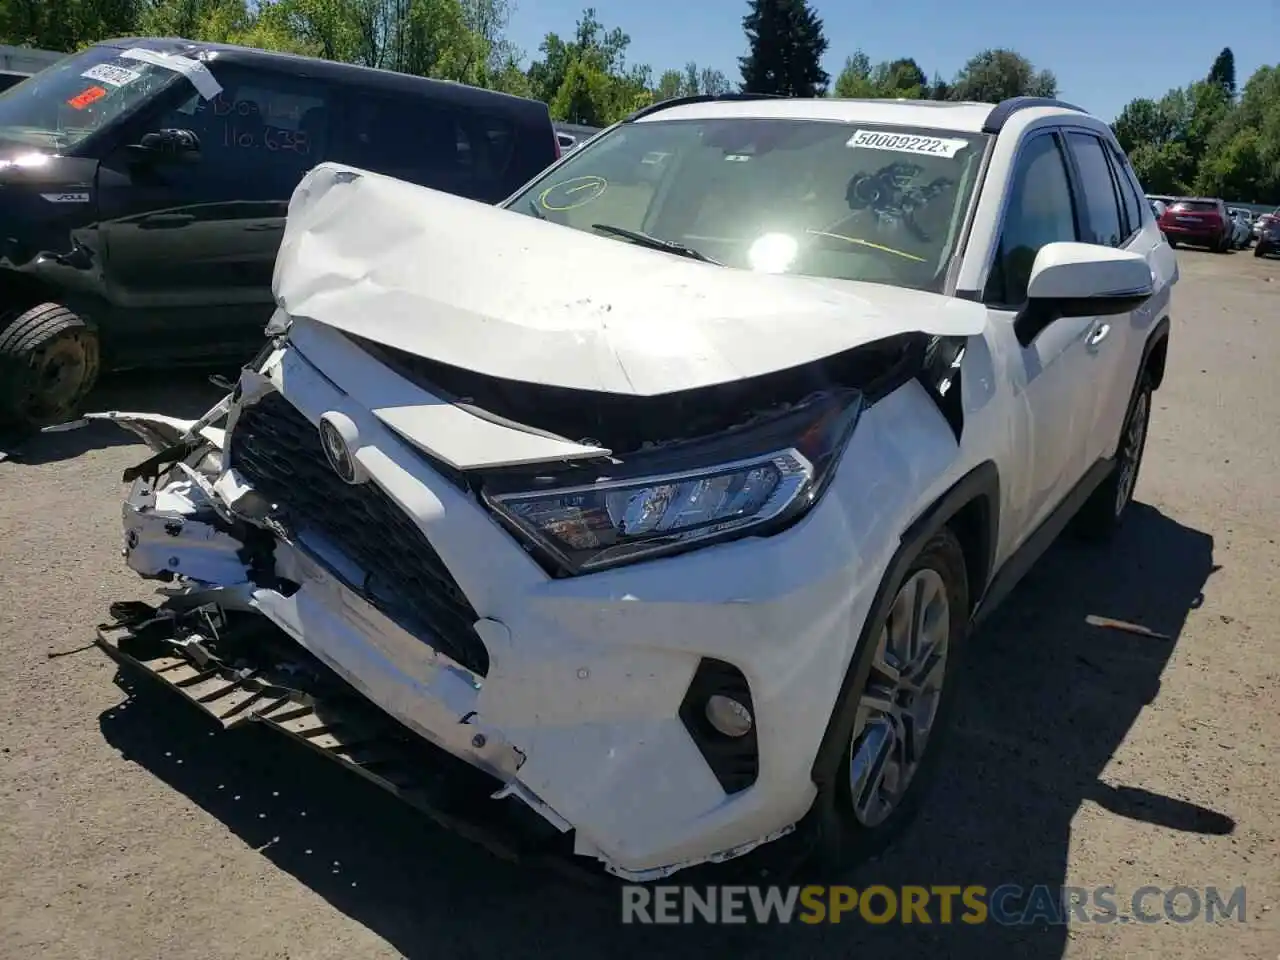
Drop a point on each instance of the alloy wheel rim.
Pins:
(898, 706)
(1134, 439)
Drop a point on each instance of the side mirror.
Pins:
(166, 146)
(1082, 280)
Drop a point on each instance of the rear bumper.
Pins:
(1208, 238)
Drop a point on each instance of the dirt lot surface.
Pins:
(1084, 756)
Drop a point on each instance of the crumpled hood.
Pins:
(511, 296)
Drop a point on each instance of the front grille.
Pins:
(278, 451)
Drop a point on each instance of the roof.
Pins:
(957, 116)
(317, 68)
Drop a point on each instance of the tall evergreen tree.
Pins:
(785, 48)
(1223, 71)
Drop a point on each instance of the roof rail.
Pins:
(1005, 109)
(699, 98)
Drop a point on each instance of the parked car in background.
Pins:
(144, 186)
(1262, 220)
(748, 449)
(1242, 228)
(1268, 242)
(1199, 221)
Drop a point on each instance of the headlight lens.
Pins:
(587, 527)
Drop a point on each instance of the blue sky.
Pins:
(1104, 52)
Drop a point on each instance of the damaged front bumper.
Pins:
(578, 697)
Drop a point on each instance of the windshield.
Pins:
(70, 101)
(816, 198)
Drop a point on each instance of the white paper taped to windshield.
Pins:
(906, 143)
(111, 75)
(195, 71)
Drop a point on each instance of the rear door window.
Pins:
(468, 151)
(1103, 223)
(1129, 198)
(403, 137)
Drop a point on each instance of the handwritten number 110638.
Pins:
(272, 139)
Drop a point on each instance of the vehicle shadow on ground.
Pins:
(184, 393)
(1046, 700)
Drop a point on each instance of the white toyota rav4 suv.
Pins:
(665, 495)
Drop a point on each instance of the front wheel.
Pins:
(1107, 506)
(48, 365)
(890, 723)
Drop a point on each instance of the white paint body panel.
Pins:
(510, 296)
(587, 673)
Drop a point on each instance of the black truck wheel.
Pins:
(48, 364)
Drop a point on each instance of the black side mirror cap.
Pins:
(166, 146)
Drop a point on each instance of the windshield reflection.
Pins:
(816, 198)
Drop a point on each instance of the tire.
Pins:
(839, 834)
(1259, 251)
(48, 364)
(1104, 512)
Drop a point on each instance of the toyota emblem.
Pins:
(339, 438)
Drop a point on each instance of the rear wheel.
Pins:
(1106, 508)
(891, 722)
(48, 364)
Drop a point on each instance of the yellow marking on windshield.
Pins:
(868, 243)
(591, 182)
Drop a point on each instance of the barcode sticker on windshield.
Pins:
(111, 75)
(906, 143)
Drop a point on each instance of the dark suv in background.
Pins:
(1199, 221)
(144, 186)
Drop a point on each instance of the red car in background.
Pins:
(1199, 221)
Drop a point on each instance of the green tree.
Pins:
(785, 49)
(587, 79)
(901, 78)
(1223, 71)
(66, 25)
(854, 79)
(995, 75)
(1142, 121)
(670, 85)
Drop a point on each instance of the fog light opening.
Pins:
(727, 716)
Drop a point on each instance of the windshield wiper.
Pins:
(533, 208)
(654, 243)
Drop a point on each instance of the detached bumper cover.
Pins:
(340, 726)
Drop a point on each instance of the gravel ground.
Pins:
(1084, 756)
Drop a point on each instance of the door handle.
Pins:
(1099, 334)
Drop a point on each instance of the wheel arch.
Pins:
(23, 291)
(1155, 352)
(971, 507)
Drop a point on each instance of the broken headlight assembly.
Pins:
(756, 480)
